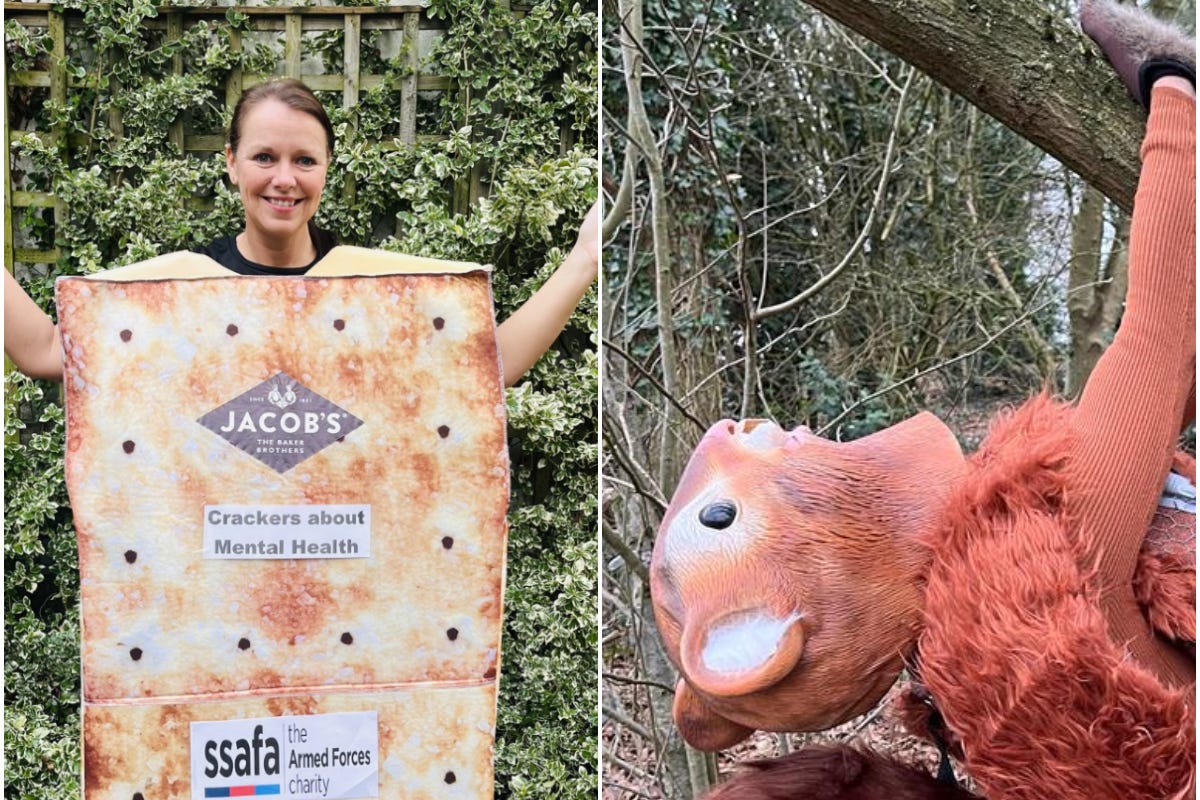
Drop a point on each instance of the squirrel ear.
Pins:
(919, 443)
(703, 728)
(915, 463)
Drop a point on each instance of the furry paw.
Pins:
(1139, 47)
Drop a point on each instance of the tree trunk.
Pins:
(1024, 63)
(1097, 286)
(675, 770)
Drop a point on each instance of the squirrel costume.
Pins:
(1043, 588)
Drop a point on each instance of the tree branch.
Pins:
(610, 345)
(1025, 64)
(868, 226)
(941, 365)
(631, 559)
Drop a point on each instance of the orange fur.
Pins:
(1017, 651)
(833, 772)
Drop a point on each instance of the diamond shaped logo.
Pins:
(280, 422)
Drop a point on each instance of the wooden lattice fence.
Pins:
(294, 25)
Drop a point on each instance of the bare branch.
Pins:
(868, 226)
(623, 200)
(1024, 63)
(612, 676)
(614, 540)
(621, 718)
(609, 345)
(942, 365)
(638, 475)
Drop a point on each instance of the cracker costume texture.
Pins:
(1044, 588)
(290, 499)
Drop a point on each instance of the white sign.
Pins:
(317, 757)
(271, 531)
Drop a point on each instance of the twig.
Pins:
(624, 551)
(615, 678)
(624, 198)
(619, 717)
(868, 226)
(634, 472)
(621, 787)
(928, 370)
(871, 716)
(610, 345)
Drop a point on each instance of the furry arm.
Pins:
(1030, 604)
(1016, 648)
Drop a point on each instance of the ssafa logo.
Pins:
(311, 757)
(280, 422)
(247, 765)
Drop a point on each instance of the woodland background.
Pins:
(520, 117)
(809, 229)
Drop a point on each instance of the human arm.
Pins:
(533, 327)
(1139, 394)
(31, 339)
(1030, 611)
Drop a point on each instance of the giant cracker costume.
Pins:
(1042, 589)
(209, 417)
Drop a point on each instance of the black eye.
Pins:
(718, 515)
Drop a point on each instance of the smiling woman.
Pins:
(280, 146)
(465, 131)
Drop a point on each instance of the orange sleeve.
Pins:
(1128, 417)
(1026, 651)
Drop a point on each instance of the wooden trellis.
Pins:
(291, 22)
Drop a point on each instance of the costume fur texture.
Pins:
(1069, 699)
(1023, 559)
(1039, 701)
(1165, 581)
(826, 772)
(1137, 45)
(1141, 35)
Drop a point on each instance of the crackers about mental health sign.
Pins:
(290, 497)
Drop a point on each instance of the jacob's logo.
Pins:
(280, 422)
(282, 399)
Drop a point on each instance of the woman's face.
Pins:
(279, 168)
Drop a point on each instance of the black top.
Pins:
(225, 252)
